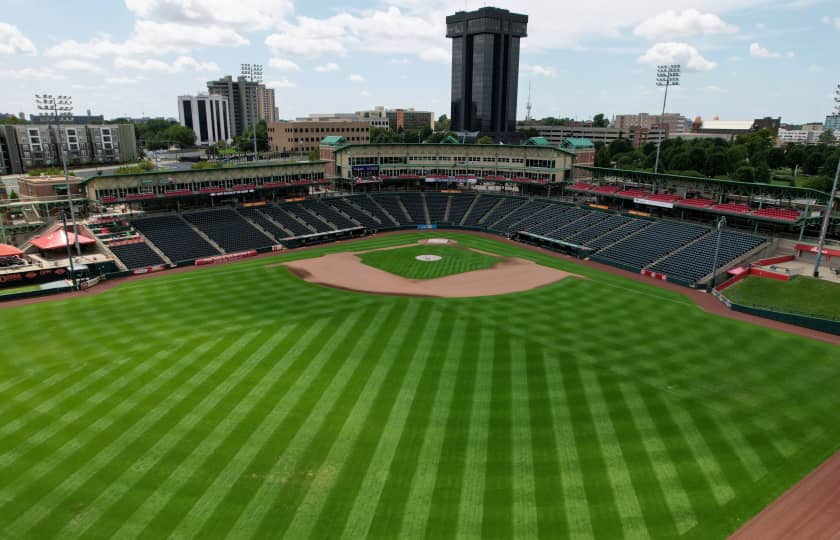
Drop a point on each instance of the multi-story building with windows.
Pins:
(265, 101)
(305, 136)
(208, 115)
(832, 122)
(674, 122)
(557, 134)
(485, 70)
(243, 101)
(409, 119)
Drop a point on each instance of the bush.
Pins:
(49, 171)
(205, 165)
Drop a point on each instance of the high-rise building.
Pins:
(243, 101)
(409, 119)
(675, 122)
(208, 115)
(832, 122)
(485, 69)
(265, 99)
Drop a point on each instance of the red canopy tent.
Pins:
(58, 239)
(9, 251)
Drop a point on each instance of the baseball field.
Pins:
(241, 401)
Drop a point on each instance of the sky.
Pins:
(741, 59)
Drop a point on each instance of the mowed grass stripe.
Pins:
(378, 503)
(168, 465)
(48, 523)
(368, 390)
(371, 448)
(524, 487)
(444, 512)
(53, 478)
(331, 404)
(471, 505)
(416, 514)
(550, 493)
(674, 492)
(222, 501)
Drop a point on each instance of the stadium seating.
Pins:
(654, 242)
(695, 261)
(299, 212)
(260, 219)
(483, 205)
(600, 228)
(370, 206)
(733, 208)
(458, 207)
(544, 222)
(580, 221)
(779, 214)
(136, 255)
(500, 212)
(229, 230)
(321, 209)
(531, 209)
(618, 233)
(365, 219)
(696, 202)
(413, 203)
(605, 189)
(437, 203)
(175, 238)
(391, 204)
(286, 221)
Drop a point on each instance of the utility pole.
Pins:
(720, 224)
(667, 76)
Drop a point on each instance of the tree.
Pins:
(716, 163)
(681, 161)
(620, 145)
(737, 156)
(13, 195)
(795, 156)
(599, 121)
(442, 123)
(314, 155)
(602, 157)
(12, 119)
(827, 137)
(745, 173)
(485, 140)
(776, 158)
(813, 163)
(762, 173)
(179, 134)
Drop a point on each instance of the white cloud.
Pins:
(29, 73)
(439, 55)
(542, 71)
(72, 64)
(364, 93)
(355, 77)
(282, 64)
(816, 68)
(150, 38)
(677, 53)
(181, 64)
(399, 61)
(120, 80)
(282, 83)
(712, 89)
(790, 54)
(241, 14)
(757, 51)
(672, 24)
(12, 41)
(328, 67)
(833, 21)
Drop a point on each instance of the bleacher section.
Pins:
(413, 202)
(458, 207)
(501, 211)
(779, 214)
(483, 205)
(174, 238)
(531, 209)
(136, 255)
(286, 221)
(632, 226)
(598, 229)
(320, 208)
(436, 203)
(365, 219)
(260, 219)
(695, 261)
(583, 219)
(229, 230)
(552, 218)
(639, 250)
(391, 204)
(297, 211)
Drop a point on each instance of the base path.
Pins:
(810, 509)
(347, 271)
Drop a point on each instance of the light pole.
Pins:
(61, 106)
(720, 224)
(667, 76)
(830, 204)
(67, 245)
(254, 74)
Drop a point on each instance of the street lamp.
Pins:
(254, 74)
(720, 224)
(61, 107)
(667, 76)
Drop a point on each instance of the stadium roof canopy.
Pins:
(538, 141)
(59, 239)
(9, 251)
(577, 143)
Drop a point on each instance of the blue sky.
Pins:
(741, 58)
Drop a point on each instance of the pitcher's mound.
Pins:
(346, 271)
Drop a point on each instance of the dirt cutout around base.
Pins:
(810, 509)
(346, 271)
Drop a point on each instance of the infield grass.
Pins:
(403, 261)
(802, 295)
(239, 401)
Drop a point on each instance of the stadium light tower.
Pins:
(829, 206)
(720, 225)
(61, 107)
(667, 76)
(254, 74)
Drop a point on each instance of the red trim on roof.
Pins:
(9, 251)
(57, 240)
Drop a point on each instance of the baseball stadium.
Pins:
(420, 341)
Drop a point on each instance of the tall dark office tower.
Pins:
(485, 69)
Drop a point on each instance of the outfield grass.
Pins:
(241, 401)
(403, 261)
(802, 294)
